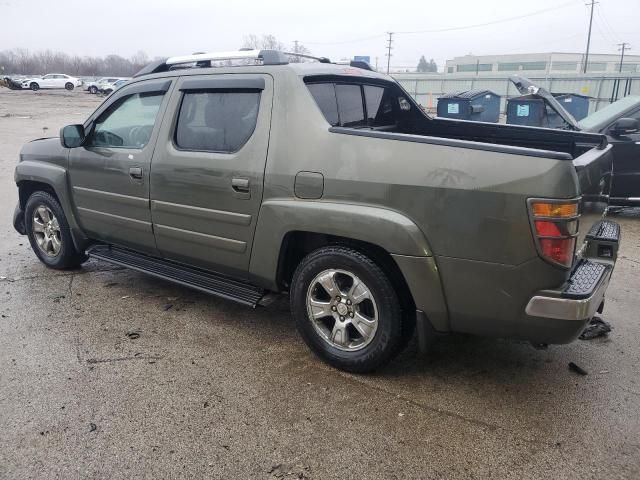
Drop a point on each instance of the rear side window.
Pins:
(325, 96)
(350, 106)
(216, 121)
(355, 105)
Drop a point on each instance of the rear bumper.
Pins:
(571, 309)
(559, 316)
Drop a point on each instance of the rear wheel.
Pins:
(69, 86)
(48, 232)
(93, 89)
(346, 309)
(34, 86)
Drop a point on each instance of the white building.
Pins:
(541, 63)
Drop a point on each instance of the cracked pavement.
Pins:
(107, 373)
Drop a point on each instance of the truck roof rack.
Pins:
(205, 59)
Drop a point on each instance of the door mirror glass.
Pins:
(72, 136)
(625, 126)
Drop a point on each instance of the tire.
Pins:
(93, 90)
(69, 86)
(58, 252)
(34, 86)
(339, 335)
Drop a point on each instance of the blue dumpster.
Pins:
(577, 105)
(477, 105)
(527, 110)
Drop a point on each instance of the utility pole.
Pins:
(295, 46)
(623, 46)
(389, 41)
(376, 64)
(586, 57)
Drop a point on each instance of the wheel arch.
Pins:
(32, 176)
(289, 229)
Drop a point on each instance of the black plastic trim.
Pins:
(489, 147)
(585, 279)
(256, 83)
(198, 279)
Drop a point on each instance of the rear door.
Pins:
(208, 169)
(109, 174)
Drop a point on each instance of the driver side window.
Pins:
(128, 122)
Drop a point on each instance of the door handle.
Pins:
(135, 172)
(240, 184)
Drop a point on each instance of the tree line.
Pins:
(21, 61)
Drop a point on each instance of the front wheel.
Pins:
(346, 309)
(93, 89)
(48, 232)
(34, 86)
(69, 86)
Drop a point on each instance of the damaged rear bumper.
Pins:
(594, 278)
(561, 314)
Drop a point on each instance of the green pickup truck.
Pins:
(244, 175)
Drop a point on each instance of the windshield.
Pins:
(602, 116)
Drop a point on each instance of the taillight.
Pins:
(555, 227)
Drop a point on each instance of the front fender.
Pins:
(55, 176)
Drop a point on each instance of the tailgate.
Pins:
(594, 170)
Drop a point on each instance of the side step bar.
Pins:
(204, 281)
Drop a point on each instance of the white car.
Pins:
(52, 80)
(94, 87)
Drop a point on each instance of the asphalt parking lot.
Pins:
(107, 373)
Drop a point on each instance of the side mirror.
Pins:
(625, 126)
(72, 136)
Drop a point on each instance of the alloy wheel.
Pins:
(46, 231)
(342, 309)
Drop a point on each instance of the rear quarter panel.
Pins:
(471, 205)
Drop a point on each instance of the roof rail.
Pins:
(203, 60)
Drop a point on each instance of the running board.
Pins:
(204, 281)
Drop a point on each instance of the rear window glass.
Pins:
(325, 96)
(355, 105)
(216, 121)
(350, 106)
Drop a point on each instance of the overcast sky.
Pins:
(333, 28)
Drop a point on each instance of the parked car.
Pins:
(94, 87)
(620, 122)
(330, 183)
(52, 80)
(11, 83)
(108, 88)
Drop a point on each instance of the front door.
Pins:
(626, 164)
(208, 168)
(109, 174)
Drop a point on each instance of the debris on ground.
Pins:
(133, 335)
(280, 470)
(93, 427)
(579, 370)
(168, 306)
(597, 328)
